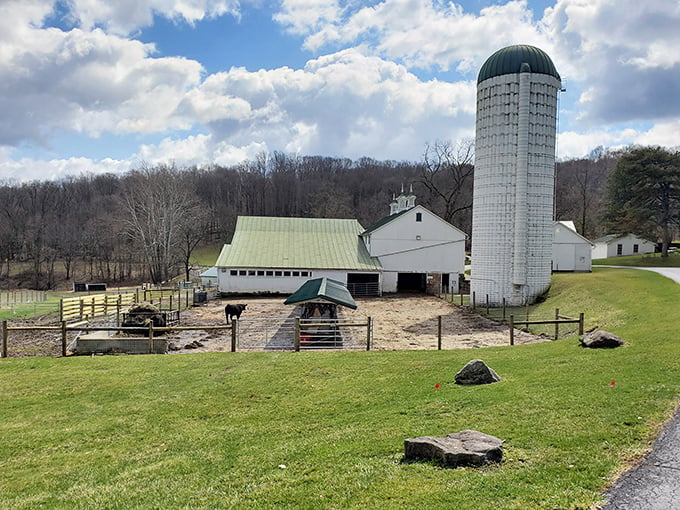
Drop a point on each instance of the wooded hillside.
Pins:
(145, 224)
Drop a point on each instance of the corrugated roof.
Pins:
(300, 243)
(324, 289)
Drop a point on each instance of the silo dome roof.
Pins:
(509, 61)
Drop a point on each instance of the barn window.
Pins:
(304, 273)
(296, 273)
(286, 273)
(270, 273)
(419, 216)
(251, 273)
(260, 273)
(277, 273)
(635, 248)
(242, 272)
(619, 249)
(233, 272)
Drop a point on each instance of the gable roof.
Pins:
(570, 231)
(300, 243)
(613, 237)
(390, 218)
(323, 289)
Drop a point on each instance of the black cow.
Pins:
(232, 311)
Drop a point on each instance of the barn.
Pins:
(277, 255)
(417, 249)
(411, 249)
(616, 245)
(570, 250)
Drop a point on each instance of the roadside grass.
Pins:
(647, 260)
(326, 430)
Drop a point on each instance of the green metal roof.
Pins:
(509, 61)
(297, 243)
(322, 289)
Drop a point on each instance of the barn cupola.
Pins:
(403, 202)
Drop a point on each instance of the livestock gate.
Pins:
(292, 333)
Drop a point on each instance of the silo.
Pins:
(512, 209)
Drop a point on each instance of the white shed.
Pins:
(570, 250)
(616, 245)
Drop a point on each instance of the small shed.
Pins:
(319, 297)
(570, 250)
(617, 245)
(209, 278)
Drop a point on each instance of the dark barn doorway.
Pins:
(363, 284)
(411, 282)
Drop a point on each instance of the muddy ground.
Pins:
(400, 322)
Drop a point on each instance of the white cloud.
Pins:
(89, 82)
(344, 104)
(126, 16)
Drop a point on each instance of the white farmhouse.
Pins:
(570, 251)
(616, 245)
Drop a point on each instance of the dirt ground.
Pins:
(399, 323)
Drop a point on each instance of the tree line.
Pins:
(146, 224)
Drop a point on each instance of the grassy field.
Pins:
(648, 260)
(326, 430)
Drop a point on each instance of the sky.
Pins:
(97, 86)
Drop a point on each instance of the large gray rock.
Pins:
(465, 448)
(476, 372)
(600, 339)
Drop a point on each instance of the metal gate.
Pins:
(290, 333)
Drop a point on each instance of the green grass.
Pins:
(647, 260)
(212, 430)
(206, 255)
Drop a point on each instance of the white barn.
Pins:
(412, 249)
(571, 251)
(616, 245)
(417, 249)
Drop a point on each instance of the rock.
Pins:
(172, 346)
(600, 339)
(476, 372)
(465, 448)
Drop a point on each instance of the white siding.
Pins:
(571, 252)
(513, 187)
(627, 242)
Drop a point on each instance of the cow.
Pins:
(232, 311)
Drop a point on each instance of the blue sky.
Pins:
(93, 86)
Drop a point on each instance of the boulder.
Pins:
(600, 339)
(476, 372)
(465, 448)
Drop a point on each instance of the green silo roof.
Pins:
(297, 243)
(509, 61)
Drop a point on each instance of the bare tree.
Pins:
(157, 204)
(447, 174)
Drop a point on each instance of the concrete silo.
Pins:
(512, 211)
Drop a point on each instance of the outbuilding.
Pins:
(617, 245)
(571, 251)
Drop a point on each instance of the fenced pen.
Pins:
(554, 326)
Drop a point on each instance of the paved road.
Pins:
(655, 483)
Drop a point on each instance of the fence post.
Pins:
(557, 323)
(439, 332)
(474, 301)
(234, 323)
(296, 340)
(487, 304)
(503, 309)
(63, 338)
(150, 337)
(5, 334)
(369, 328)
(580, 324)
(512, 329)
